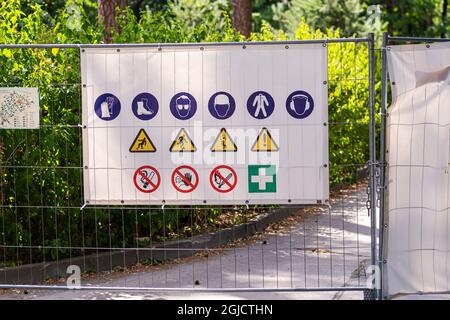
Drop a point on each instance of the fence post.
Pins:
(383, 164)
(372, 147)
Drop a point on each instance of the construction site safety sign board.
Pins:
(195, 124)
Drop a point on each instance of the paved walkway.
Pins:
(323, 248)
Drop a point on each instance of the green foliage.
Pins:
(349, 17)
(420, 18)
(41, 170)
(269, 11)
(348, 97)
(184, 21)
(189, 14)
(354, 17)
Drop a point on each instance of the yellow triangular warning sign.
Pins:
(223, 143)
(182, 143)
(265, 142)
(142, 143)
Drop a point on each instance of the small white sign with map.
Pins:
(19, 108)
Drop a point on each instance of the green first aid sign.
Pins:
(262, 178)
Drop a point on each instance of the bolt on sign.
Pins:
(205, 124)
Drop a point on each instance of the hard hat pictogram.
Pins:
(221, 105)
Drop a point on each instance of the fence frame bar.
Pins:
(372, 151)
(154, 289)
(382, 187)
(168, 45)
(414, 39)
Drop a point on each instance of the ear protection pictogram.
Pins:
(296, 103)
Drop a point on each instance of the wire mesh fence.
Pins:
(45, 228)
(407, 162)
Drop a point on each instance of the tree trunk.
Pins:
(242, 16)
(107, 16)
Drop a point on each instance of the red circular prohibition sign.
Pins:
(142, 176)
(186, 181)
(223, 178)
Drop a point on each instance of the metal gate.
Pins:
(47, 235)
(383, 164)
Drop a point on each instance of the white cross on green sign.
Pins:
(262, 178)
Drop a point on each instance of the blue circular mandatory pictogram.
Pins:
(183, 106)
(221, 105)
(299, 104)
(107, 106)
(145, 106)
(260, 105)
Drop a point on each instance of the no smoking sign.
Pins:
(147, 179)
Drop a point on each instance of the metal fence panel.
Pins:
(45, 228)
(385, 192)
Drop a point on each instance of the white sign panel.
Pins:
(19, 108)
(205, 125)
(418, 240)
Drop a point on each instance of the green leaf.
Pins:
(7, 53)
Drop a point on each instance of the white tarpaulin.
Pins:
(205, 125)
(418, 257)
